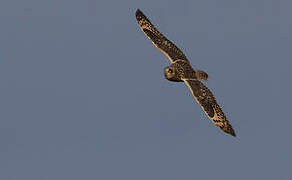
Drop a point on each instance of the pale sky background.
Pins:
(83, 95)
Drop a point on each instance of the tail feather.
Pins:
(202, 75)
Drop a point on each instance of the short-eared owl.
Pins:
(181, 70)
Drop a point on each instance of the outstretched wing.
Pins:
(208, 102)
(158, 39)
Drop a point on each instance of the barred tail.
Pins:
(202, 75)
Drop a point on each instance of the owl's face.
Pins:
(171, 74)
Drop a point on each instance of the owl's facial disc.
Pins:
(171, 74)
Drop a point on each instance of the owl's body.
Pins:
(184, 71)
(181, 70)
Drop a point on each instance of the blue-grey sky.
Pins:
(83, 95)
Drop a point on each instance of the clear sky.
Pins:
(83, 95)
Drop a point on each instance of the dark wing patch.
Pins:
(158, 39)
(208, 102)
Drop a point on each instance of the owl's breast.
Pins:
(185, 69)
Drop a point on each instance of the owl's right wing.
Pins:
(208, 102)
(158, 39)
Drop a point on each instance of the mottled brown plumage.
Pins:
(209, 104)
(181, 71)
(158, 39)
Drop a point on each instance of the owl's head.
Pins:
(171, 74)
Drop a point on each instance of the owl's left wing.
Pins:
(158, 39)
(208, 102)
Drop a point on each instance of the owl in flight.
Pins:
(181, 70)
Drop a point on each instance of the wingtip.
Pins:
(231, 132)
(138, 11)
(139, 14)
